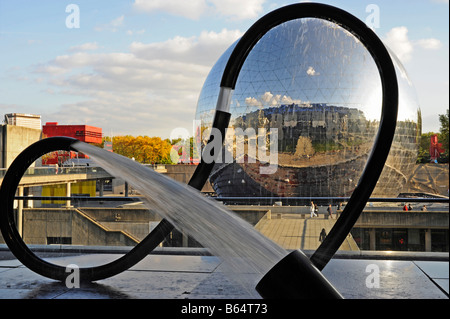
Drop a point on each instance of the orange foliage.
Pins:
(143, 149)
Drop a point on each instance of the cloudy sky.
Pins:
(137, 67)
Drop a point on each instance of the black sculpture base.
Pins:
(295, 277)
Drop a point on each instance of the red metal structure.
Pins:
(84, 133)
(435, 148)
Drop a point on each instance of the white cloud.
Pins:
(49, 69)
(288, 100)
(89, 74)
(121, 114)
(112, 26)
(191, 9)
(89, 46)
(311, 71)
(429, 44)
(117, 22)
(194, 9)
(204, 49)
(131, 32)
(252, 101)
(397, 39)
(269, 99)
(151, 89)
(238, 9)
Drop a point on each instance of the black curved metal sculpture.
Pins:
(299, 268)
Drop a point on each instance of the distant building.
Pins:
(25, 120)
(84, 133)
(435, 148)
(17, 133)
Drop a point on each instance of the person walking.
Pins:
(313, 210)
(330, 211)
(323, 235)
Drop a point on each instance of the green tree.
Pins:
(444, 136)
(424, 148)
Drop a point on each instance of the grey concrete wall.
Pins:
(39, 224)
(13, 140)
(135, 221)
(250, 216)
(129, 214)
(396, 219)
(103, 226)
(180, 172)
(98, 226)
(183, 173)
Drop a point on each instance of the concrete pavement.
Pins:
(205, 277)
(297, 231)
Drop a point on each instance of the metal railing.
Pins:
(45, 171)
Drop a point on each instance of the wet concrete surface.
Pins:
(204, 277)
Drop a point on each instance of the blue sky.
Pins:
(137, 67)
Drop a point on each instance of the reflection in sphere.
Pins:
(310, 92)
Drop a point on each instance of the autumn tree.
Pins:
(185, 150)
(304, 147)
(144, 149)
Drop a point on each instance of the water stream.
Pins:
(246, 253)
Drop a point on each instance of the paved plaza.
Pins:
(294, 231)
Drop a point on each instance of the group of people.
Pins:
(409, 208)
(314, 210)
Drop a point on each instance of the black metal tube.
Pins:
(44, 268)
(201, 173)
(388, 121)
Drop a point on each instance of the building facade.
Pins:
(18, 131)
(84, 133)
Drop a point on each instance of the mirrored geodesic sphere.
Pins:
(311, 93)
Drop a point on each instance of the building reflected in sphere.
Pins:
(319, 87)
